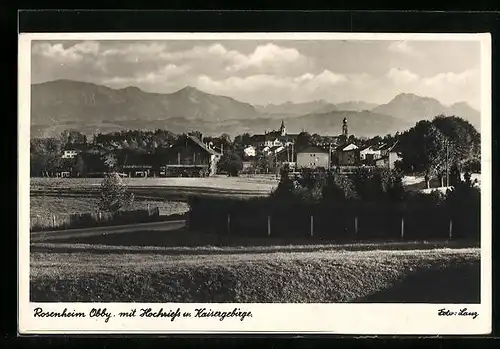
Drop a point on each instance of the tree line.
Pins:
(430, 148)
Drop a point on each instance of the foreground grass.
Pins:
(439, 275)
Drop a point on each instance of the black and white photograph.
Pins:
(218, 182)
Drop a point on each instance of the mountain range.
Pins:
(65, 104)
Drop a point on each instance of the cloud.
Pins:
(258, 72)
(149, 80)
(463, 78)
(269, 58)
(405, 48)
(402, 76)
(73, 54)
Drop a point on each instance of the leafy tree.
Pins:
(464, 141)
(111, 161)
(286, 188)
(114, 194)
(339, 188)
(303, 139)
(316, 139)
(423, 149)
(231, 163)
(264, 163)
(79, 168)
(225, 138)
(433, 147)
(45, 156)
(342, 139)
(196, 134)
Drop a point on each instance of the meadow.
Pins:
(281, 274)
(251, 183)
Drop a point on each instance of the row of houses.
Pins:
(282, 147)
(383, 155)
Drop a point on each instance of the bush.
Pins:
(376, 184)
(114, 195)
(376, 200)
(88, 220)
(463, 203)
(231, 163)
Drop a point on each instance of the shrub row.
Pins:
(426, 216)
(87, 220)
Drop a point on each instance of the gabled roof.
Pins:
(203, 145)
(370, 147)
(388, 147)
(313, 149)
(350, 147)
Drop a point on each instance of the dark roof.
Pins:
(275, 147)
(312, 149)
(389, 147)
(203, 145)
(258, 138)
(287, 137)
(138, 159)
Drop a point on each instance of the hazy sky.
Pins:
(261, 72)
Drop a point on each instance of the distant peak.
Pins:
(188, 89)
(405, 95)
(132, 88)
(66, 81)
(461, 104)
(410, 97)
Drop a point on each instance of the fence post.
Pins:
(356, 226)
(268, 225)
(312, 225)
(229, 223)
(450, 229)
(402, 227)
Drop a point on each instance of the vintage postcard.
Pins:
(333, 183)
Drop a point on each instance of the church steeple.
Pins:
(345, 131)
(283, 128)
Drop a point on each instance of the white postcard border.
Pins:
(356, 319)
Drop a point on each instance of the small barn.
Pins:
(348, 155)
(189, 156)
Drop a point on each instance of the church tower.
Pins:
(283, 128)
(345, 131)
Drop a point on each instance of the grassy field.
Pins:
(254, 183)
(359, 273)
(259, 184)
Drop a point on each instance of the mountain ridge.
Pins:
(89, 107)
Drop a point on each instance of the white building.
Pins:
(389, 156)
(273, 142)
(69, 154)
(370, 154)
(250, 151)
(313, 157)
